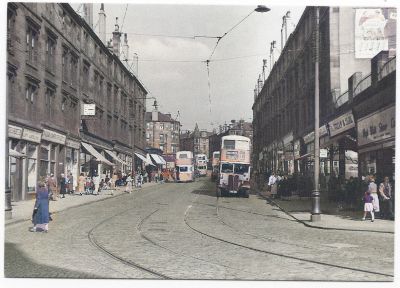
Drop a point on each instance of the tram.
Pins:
(234, 166)
(201, 165)
(184, 167)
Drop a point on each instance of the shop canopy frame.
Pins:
(158, 159)
(113, 155)
(141, 157)
(96, 154)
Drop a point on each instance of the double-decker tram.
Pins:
(201, 165)
(184, 167)
(234, 166)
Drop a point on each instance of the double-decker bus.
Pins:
(215, 165)
(184, 166)
(201, 165)
(234, 166)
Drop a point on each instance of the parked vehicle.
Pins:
(234, 167)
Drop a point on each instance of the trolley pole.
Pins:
(316, 211)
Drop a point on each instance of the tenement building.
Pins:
(162, 132)
(72, 105)
(196, 141)
(283, 109)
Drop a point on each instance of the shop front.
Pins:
(23, 163)
(72, 159)
(93, 161)
(376, 143)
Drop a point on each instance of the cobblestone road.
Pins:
(182, 231)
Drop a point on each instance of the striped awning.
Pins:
(113, 155)
(96, 154)
(141, 157)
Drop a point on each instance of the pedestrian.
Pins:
(40, 216)
(81, 184)
(272, 184)
(63, 184)
(114, 180)
(52, 187)
(128, 187)
(385, 191)
(373, 190)
(96, 182)
(71, 189)
(368, 205)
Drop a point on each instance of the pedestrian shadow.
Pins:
(19, 265)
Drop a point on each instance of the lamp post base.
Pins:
(315, 217)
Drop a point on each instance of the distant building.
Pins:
(240, 127)
(162, 132)
(196, 141)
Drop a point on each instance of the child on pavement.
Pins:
(368, 205)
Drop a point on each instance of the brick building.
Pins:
(162, 132)
(55, 65)
(283, 109)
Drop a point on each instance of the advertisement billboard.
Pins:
(375, 30)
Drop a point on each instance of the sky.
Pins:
(173, 69)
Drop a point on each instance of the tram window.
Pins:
(227, 168)
(183, 156)
(241, 168)
(229, 144)
(183, 169)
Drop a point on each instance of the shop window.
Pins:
(31, 175)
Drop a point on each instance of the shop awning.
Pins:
(158, 159)
(96, 154)
(141, 157)
(15, 153)
(113, 155)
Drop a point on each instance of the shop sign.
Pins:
(310, 136)
(89, 109)
(72, 144)
(53, 137)
(377, 127)
(341, 124)
(323, 153)
(14, 132)
(32, 136)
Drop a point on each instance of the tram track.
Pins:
(97, 245)
(274, 253)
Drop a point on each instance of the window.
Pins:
(49, 95)
(31, 43)
(241, 168)
(30, 92)
(161, 138)
(229, 144)
(74, 70)
(65, 65)
(63, 103)
(183, 168)
(85, 77)
(50, 53)
(226, 168)
(10, 28)
(161, 126)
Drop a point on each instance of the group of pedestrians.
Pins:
(372, 198)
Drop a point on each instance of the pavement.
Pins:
(300, 209)
(22, 210)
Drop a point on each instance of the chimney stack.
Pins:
(116, 38)
(88, 13)
(102, 24)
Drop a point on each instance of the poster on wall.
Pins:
(375, 30)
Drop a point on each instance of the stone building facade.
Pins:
(283, 109)
(162, 132)
(195, 141)
(55, 65)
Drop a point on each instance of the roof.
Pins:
(161, 117)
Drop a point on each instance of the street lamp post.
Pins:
(316, 211)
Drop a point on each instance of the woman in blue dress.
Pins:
(40, 216)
